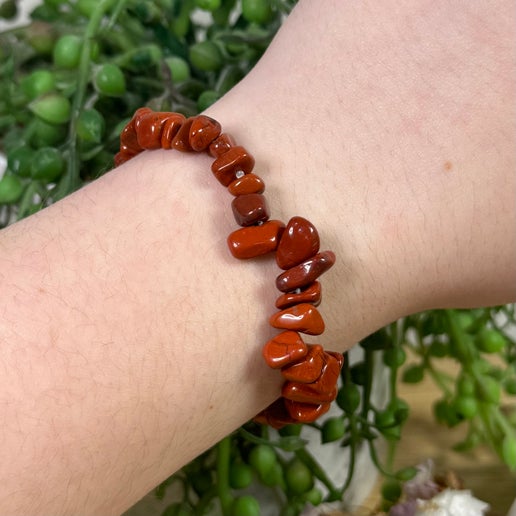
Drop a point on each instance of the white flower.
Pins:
(451, 502)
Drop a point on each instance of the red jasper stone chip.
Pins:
(339, 357)
(203, 131)
(221, 145)
(306, 412)
(299, 242)
(275, 415)
(122, 157)
(250, 209)
(129, 140)
(305, 393)
(311, 294)
(129, 151)
(170, 129)
(228, 164)
(248, 184)
(304, 318)
(140, 112)
(149, 127)
(255, 240)
(138, 116)
(324, 389)
(330, 374)
(181, 140)
(284, 349)
(308, 369)
(305, 273)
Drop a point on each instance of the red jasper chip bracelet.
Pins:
(310, 373)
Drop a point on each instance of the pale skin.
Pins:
(130, 338)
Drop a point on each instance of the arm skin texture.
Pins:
(129, 337)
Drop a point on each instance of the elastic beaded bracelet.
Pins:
(311, 373)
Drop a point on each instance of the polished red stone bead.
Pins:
(139, 114)
(226, 166)
(306, 412)
(304, 318)
(255, 240)
(275, 415)
(324, 389)
(309, 368)
(330, 374)
(284, 349)
(311, 294)
(181, 140)
(305, 393)
(250, 209)
(203, 131)
(339, 357)
(248, 184)
(305, 273)
(141, 111)
(221, 145)
(129, 151)
(170, 129)
(261, 418)
(129, 140)
(299, 242)
(122, 157)
(149, 126)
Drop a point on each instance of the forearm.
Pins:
(127, 327)
(399, 118)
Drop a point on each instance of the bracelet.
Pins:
(311, 373)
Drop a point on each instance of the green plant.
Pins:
(73, 76)
(68, 83)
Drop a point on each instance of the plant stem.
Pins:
(223, 456)
(376, 462)
(438, 378)
(391, 453)
(485, 413)
(115, 14)
(352, 453)
(71, 180)
(396, 332)
(307, 459)
(393, 373)
(26, 200)
(366, 396)
(502, 421)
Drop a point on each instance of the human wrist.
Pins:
(363, 284)
(394, 152)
